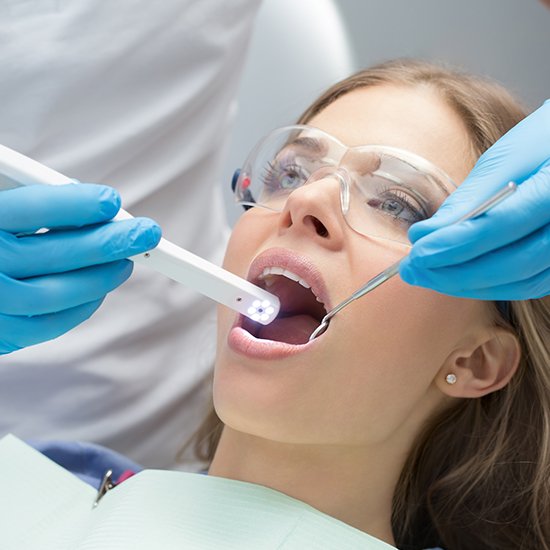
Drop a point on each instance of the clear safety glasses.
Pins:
(383, 190)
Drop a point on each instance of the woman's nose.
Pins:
(314, 211)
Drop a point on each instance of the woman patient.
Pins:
(419, 418)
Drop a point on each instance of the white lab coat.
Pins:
(138, 95)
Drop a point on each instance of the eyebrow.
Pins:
(311, 144)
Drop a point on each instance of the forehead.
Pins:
(411, 118)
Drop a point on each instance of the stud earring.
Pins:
(450, 378)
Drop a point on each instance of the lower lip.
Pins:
(242, 342)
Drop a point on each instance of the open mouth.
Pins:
(301, 309)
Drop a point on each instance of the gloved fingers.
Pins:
(27, 209)
(514, 157)
(521, 214)
(21, 331)
(534, 287)
(68, 250)
(57, 292)
(491, 275)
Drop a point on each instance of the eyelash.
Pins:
(267, 174)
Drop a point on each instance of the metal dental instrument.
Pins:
(394, 268)
(17, 170)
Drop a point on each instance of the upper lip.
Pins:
(297, 263)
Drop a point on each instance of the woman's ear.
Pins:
(482, 368)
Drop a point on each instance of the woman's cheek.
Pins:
(233, 261)
(244, 243)
(400, 328)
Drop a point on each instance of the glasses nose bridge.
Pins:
(341, 175)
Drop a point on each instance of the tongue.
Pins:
(292, 330)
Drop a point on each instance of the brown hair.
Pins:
(479, 475)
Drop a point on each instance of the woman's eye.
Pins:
(399, 205)
(392, 206)
(289, 176)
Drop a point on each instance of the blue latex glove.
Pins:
(505, 253)
(51, 282)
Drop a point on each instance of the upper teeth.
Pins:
(286, 273)
(282, 271)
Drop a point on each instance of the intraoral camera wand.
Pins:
(389, 272)
(17, 170)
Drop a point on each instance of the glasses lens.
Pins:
(282, 162)
(383, 190)
(390, 190)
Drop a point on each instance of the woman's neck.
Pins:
(352, 484)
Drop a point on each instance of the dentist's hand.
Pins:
(51, 282)
(505, 253)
